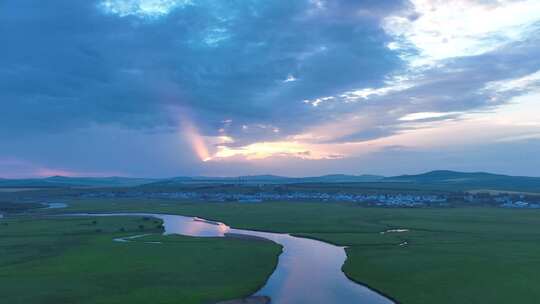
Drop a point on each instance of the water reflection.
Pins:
(55, 205)
(308, 271)
(399, 230)
(189, 226)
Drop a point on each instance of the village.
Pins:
(393, 199)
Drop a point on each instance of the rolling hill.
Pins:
(471, 181)
(440, 179)
(71, 182)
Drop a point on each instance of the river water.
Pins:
(55, 205)
(308, 271)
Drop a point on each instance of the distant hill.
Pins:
(342, 178)
(434, 180)
(69, 182)
(446, 176)
(268, 179)
(471, 180)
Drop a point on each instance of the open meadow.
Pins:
(75, 260)
(448, 255)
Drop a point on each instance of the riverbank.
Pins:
(492, 246)
(247, 237)
(300, 258)
(249, 300)
(74, 260)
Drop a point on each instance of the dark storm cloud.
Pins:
(72, 64)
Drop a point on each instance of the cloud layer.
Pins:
(242, 85)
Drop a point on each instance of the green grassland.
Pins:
(74, 260)
(453, 255)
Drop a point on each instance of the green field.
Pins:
(74, 260)
(454, 255)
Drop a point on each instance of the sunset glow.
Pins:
(264, 150)
(196, 141)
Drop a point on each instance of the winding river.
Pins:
(308, 271)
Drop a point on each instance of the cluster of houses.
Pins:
(394, 199)
(517, 202)
(505, 200)
(521, 204)
(401, 200)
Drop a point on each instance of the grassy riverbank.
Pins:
(453, 255)
(74, 260)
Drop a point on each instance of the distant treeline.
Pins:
(10, 207)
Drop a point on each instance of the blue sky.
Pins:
(305, 87)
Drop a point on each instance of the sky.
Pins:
(159, 88)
